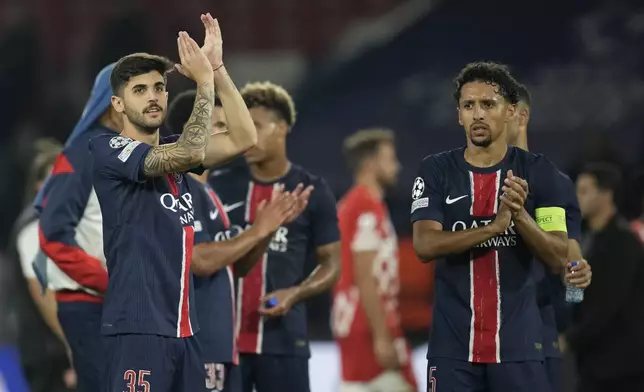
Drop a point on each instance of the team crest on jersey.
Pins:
(419, 188)
(119, 141)
(177, 177)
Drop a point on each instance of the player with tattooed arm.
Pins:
(149, 316)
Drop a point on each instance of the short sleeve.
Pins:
(28, 246)
(550, 196)
(426, 193)
(119, 156)
(325, 216)
(366, 237)
(573, 214)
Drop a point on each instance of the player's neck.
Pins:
(600, 220)
(271, 169)
(485, 156)
(369, 181)
(520, 141)
(111, 120)
(131, 131)
(203, 178)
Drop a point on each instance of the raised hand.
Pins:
(301, 201)
(272, 214)
(515, 192)
(213, 43)
(194, 63)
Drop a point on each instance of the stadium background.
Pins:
(349, 64)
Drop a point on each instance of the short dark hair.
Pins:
(46, 152)
(491, 73)
(272, 97)
(180, 109)
(523, 94)
(137, 64)
(608, 177)
(364, 144)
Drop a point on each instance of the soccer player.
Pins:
(550, 291)
(365, 318)
(273, 342)
(149, 315)
(216, 257)
(472, 213)
(70, 228)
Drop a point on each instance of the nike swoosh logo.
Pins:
(233, 206)
(452, 201)
(214, 214)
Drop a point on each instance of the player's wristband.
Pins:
(551, 218)
(216, 69)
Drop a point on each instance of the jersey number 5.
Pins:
(215, 376)
(431, 380)
(132, 380)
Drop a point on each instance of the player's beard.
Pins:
(144, 125)
(482, 143)
(387, 182)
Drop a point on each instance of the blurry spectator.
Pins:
(40, 338)
(607, 333)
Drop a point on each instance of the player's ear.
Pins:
(460, 118)
(512, 110)
(524, 116)
(117, 104)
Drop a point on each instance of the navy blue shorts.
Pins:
(554, 367)
(222, 377)
(449, 375)
(152, 363)
(81, 324)
(274, 373)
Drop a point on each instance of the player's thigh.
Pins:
(191, 373)
(347, 386)
(81, 324)
(275, 373)
(449, 375)
(390, 381)
(528, 376)
(139, 363)
(554, 369)
(233, 379)
(246, 371)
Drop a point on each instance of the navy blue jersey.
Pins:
(283, 265)
(551, 294)
(148, 239)
(214, 294)
(485, 305)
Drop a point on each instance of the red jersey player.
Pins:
(365, 320)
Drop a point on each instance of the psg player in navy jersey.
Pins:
(272, 338)
(149, 314)
(550, 290)
(487, 212)
(217, 258)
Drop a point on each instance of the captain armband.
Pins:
(551, 218)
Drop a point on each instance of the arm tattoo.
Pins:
(189, 150)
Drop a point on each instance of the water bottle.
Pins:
(574, 295)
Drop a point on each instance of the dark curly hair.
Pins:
(137, 64)
(491, 73)
(272, 97)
